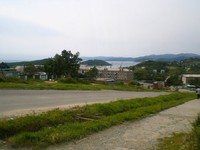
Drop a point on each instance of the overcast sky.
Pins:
(34, 29)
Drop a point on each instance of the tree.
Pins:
(92, 73)
(66, 64)
(71, 63)
(30, 69)
(173, 80)
(194, 81)
(141, 74)
(49, 67)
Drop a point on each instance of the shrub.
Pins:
(67, 80)
(132, 83)
(2, 79)
(73, 80)
(12, 79)
(34, 122)
(197, 130)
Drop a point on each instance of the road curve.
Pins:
(16, 102)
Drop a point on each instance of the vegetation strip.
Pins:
(58, 126)
(179, 141)
(197, 131)
(68, 86)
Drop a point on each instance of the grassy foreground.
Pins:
(56, 126)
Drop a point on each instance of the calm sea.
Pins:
(117, 64)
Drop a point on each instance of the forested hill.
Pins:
(96, 62)
(191, 63)
(35, 62)
(170, 72)
(43, 61)
(186, 66)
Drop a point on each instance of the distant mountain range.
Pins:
(164, 57)
(167, 57)
(104, 58)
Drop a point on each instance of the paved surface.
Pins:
(140, 135)
(17, 102)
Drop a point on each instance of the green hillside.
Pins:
(35, 62)
(167, 71)
(96, 62)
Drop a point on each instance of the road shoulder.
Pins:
(142, 134)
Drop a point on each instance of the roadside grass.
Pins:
(179, 141)
(183, 141)
(65, 84)
(68, 86)
(196, 126)
(12, 79)
(57, 126)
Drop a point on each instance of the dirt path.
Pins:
(140, 135)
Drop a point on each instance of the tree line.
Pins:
(65, 65)
(170, 72)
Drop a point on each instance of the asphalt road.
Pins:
(17, 102)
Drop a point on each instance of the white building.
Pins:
(185, 77)
(109, 72)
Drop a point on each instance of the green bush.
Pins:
(12, 79)
(134, 83)
(2, 79)
(34, 122)
(73, 80)
(68, 80)
(197, 130)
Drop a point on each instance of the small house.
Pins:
(6, 71)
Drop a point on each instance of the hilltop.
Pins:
(96, 62)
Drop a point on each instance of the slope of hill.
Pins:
(35, 62)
